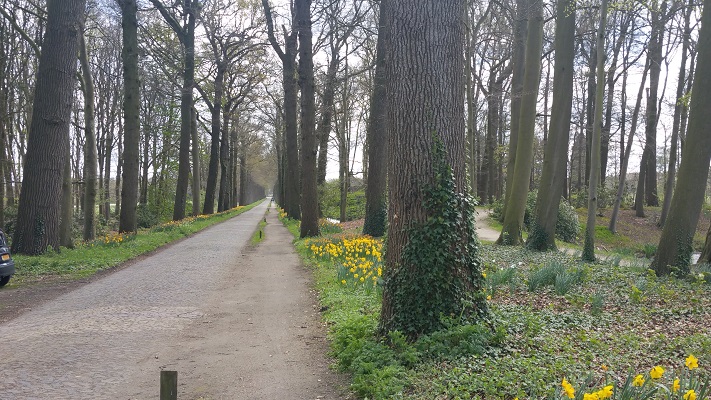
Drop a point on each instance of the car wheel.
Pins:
(4, 280)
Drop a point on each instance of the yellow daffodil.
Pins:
(638, 381)
(568, 389)
(692, 362)
(690, 395)
(676, 386)
(483, 274)
(604, 393)
(656, 372)
(590, 396)
(488, 297)
(604, 367)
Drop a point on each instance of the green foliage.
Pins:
(330, 201)
(440, 275)
(555, 274)
(10, 212)
(545, 276)
(567, 226)
(145, 217)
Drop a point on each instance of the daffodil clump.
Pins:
(652, 385)
(112, 239)
(358, 259)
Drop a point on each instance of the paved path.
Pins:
(234, 324)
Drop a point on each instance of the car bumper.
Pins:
(7, 269)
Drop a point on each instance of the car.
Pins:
(7, 265)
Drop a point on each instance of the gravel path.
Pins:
(234, 322)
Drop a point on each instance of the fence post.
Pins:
(168, 385)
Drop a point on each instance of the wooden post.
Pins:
(168, 385)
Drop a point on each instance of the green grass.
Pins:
(621, 317)
(258, 235)
(86, 259)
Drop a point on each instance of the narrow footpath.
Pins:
(236, 323)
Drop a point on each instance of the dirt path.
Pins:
(483, 229)
(236, 323)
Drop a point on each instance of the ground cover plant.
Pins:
(110, 250)
(606, 329)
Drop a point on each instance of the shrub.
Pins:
(145, 217)
(330, 201)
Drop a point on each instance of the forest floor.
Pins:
(235, 321)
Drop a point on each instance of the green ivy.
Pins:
(441, 275)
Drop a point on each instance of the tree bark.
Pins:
(425, 100)
(589, 247)
(132, 113)
(309, 190)
(649, 158)
(67, 212)
(676, 124)
(675, 243)
(292, 192)
(516, 207)
(377, 135)
(48, 142)
(521, 32)
(556, 148)
(196, 162)
(213, 167)
(90, 156)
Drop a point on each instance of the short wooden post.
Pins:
(168, 385)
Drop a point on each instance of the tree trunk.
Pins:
(626, 155)
(309, 190)
(212, 172)
(674, 249)
(556, 148)
(107, 175)
(516, 207)
(67, 212)
(196, 162)
(589, 247)
(324, 126)
(186, 106)
(425, 105)
(222, 201)
(288, 58)
(90, 163)
(654, 54)
(132, 113)
(676, 124)
(38, 213)
(377, 135)
(521, 31)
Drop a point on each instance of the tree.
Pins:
(589, 247)
(427, 165)
(542, 235)
(516, 205)
(377, 135)
(48, 142)
(131, 115)
(679, 106)
(309, 190)
(675, 243)
(288, 58)
(186, 35)
(90, 155)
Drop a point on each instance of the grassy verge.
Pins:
(88, 258)
(553, 317)
(258, 235)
